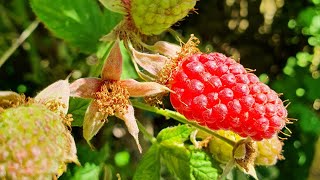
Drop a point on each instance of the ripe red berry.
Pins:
(218, 92)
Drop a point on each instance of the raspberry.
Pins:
(218, 92)
(152, 17)
(34, 143)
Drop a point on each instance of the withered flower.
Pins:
(110, 96)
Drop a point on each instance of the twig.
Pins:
(24, 35)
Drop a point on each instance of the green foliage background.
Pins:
(287, 52)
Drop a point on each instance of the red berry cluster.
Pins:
(219, 93)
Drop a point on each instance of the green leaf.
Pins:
(181, 159)
(174, 135)
(80, 22)
(149, 167)
(88, 171)
(78, 107)
(97, 156)
(201, 166)
(188, 163)
(176, 158)
(128, 71)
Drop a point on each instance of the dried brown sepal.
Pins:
(168, 49)
(152, 63)
(244, 154)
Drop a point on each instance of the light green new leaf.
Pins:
(88, 171)
(149, 167)
(80, 22)
(174, 135)
(78, 107)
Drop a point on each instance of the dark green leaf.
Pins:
(78, 107)
(80, 22)
(149, 167)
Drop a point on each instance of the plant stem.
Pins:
(146, 133)
(24, 35)
(179, 117)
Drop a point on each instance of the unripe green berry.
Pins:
(154, 17)
(34, 143)
(269, 151)
(221, 150)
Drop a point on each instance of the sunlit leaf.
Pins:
(80, 22)
(174, 135)
(88, 171)
(149, 166)
(181, 159)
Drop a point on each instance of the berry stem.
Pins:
(146, 133)
(179, 117)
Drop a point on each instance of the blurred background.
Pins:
(280, 39)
